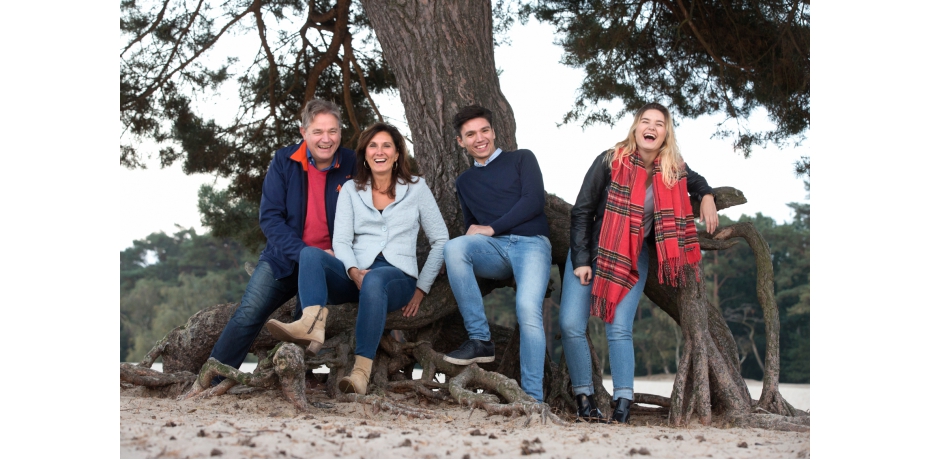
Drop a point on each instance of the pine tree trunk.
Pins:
(442, 54)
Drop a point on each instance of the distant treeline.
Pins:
(166, 279)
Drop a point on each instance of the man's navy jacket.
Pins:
(283, 209)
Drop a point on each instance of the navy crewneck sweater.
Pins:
(507, 194)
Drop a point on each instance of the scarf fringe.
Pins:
(601, 309)
(671, 271)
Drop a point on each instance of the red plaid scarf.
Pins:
(621, 239)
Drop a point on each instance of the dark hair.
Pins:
(469, 113)
(400, 174)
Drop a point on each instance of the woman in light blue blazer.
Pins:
(378, 218)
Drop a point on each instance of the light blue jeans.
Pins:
(573, 320)
(526, 258)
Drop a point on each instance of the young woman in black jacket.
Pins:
(619, 210)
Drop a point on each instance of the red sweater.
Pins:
(316, 232)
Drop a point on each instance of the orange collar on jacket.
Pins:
(300, 156)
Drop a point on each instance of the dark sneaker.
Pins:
(472, 351)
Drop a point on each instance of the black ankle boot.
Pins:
(622, 411)
(587, 409)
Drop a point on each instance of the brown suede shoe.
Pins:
(357, 381)
(309, 331)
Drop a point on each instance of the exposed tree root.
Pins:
(380, 403)
(519, 402)
(289, 368)
(771, 399)
(284, 368)
(799, 424)
(654, 400)
(422, 388)
(159, 348)
(143, 376)
(637, 409)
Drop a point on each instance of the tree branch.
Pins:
(158, 19)
(163, 78)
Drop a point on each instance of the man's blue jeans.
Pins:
(526, 258)
(263, 295)
(573, 320)
(385, 288)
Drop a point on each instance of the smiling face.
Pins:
(650, 132)
(381, 154)
(322, 137)
(477, 137)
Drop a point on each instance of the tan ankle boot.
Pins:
(357, 381)
(309, 331)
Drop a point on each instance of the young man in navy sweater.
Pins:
(507, 234)
(296, 214)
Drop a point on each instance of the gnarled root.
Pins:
(421, 388)
(653, 400)
(284, 366)
(160, 384)
(799, 424)
(379, 403)
(519, 402)
(773, 402)
(771, 399)
(289, 368)
(143, 376)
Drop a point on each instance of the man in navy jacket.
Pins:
(296, 214)
(506, 234)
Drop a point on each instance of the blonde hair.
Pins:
(671, 164)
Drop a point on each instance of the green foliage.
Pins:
(230, 217)
(698, 57)
(166, 279)
(657, 340)
(795, 349)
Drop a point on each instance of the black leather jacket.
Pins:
(588, 211)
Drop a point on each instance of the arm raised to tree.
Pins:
(697, 186)
(724, 197)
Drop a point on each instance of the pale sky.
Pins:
(540, 90)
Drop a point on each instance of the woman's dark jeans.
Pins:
(323, 281)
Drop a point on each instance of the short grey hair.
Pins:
(317, 106)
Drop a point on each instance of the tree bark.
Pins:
(442, 55)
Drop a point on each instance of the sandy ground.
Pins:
(262, 424)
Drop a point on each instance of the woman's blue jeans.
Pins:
(323, 281)
(573, 320)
